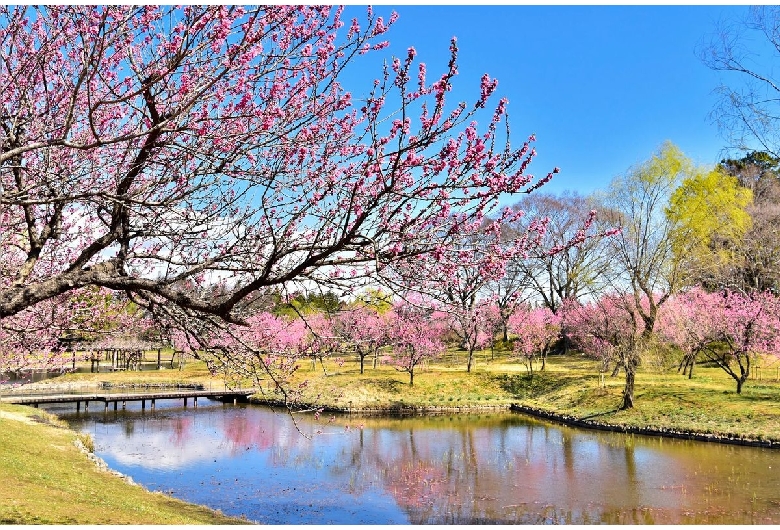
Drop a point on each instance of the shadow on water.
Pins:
(501, 468)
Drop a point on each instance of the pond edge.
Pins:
(399, 409)
(646, 431)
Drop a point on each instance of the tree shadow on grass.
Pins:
(392, 386)
(536, 384)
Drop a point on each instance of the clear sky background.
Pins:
(602, 87)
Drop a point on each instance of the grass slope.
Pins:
(46, 479)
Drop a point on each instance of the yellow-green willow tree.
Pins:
(709, 217)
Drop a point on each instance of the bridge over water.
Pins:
(113, 397)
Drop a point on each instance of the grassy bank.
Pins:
(570, 385)
(46, 479)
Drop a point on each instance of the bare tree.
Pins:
(748, 110)
(755, 259)
(556, 270)
(642, 254)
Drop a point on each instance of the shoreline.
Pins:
(395, 408)
(565, 419)
(573, 421)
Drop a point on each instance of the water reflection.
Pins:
(500, 468)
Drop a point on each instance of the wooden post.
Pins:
(86, 406)
(143, 404)
(106, 409)
(78, 406)
(195, 401)
(124, 405)
(152, 404)
(159, 357)
(185, 403)
(115, 404)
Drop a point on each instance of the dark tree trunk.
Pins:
(616, 370)
(630, 362)
(628, 391)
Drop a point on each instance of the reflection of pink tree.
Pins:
(181, 430)
(242, 433)
(416, 336)
(538, 330)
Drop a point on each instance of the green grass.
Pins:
(45, 479)
(192, 372)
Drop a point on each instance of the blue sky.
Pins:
(602, 87)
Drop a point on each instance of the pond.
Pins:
(505, 468)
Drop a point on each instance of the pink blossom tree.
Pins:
(196, 156)
(38, 337)
(537, 332)
(728, 328)
(691, 322)
(415, 337)
(456, 277)
(267, 347)
(362, 329)
(608, 329)
(752, 326)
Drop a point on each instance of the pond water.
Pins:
(492, 468)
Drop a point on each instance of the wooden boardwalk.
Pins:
(115, 397)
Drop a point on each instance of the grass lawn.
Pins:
(571, 385)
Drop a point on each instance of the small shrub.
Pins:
(86, 440)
